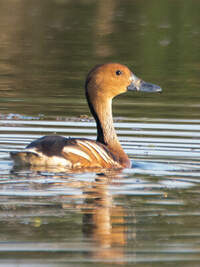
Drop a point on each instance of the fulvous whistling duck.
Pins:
(103, 83)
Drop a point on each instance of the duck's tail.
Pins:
(24, 157)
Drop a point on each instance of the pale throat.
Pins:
(105, 128)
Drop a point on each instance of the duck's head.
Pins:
(111, 79)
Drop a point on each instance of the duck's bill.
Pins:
(141, 86)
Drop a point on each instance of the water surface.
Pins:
(147, 215)
(139, 215)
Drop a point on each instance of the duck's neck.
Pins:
(102, 111)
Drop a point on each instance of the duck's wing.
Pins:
(89, 153)
(70, 152)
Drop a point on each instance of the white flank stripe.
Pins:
(89, 147)
(76, 151)
(101, 151)
(95, 149)
(33, 150)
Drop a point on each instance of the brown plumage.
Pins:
(103, 83)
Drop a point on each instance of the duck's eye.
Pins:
(118, 72)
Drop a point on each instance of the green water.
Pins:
(48, 47)
(145, 216)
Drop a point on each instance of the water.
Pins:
(147, 215)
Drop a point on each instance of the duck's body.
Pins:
(103, 83)
(73, 153)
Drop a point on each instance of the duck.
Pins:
(103, 83)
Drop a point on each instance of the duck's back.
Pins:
(68, 152)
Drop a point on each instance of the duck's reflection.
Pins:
(104, 222)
